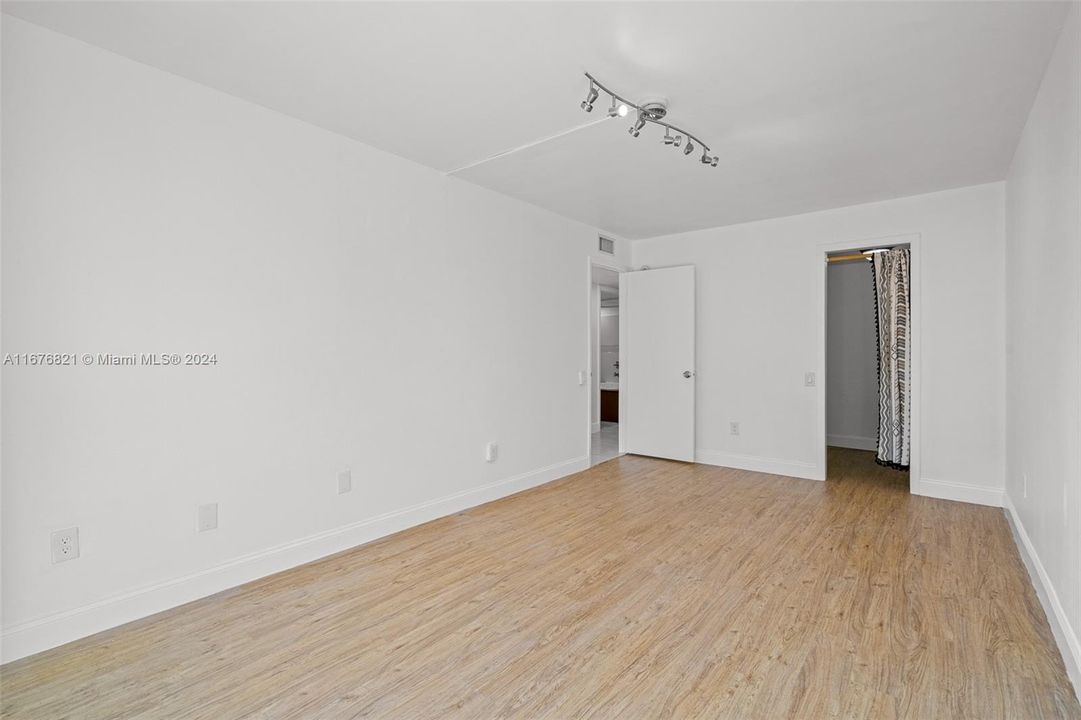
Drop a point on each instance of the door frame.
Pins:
(913, 240)
(595, 262)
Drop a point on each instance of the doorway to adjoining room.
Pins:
(604, 428)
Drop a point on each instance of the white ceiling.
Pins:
(808, 105)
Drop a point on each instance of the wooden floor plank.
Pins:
(639, 588)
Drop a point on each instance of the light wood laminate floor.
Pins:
(639, 589)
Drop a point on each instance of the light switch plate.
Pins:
(345, 481)
(208, 517)
(809, 379)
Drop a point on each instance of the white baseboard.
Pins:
(854, 442)
(789, 468)
(962, 492)
(48, 632)
(1068, 644)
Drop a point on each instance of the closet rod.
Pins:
(842, 258)
(863, 255)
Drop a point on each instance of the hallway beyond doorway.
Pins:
(605, 445)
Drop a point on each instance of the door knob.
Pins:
(688, 373)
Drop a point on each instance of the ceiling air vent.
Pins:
(607, 245)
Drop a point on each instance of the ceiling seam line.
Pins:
(527, 145)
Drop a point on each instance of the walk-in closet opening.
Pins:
(869, 365)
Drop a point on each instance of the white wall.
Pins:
(609, 343)
(145, 213)
(609, 328)
(851, 356)
(760, 328)
(1043, 333)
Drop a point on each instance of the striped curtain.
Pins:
(893, 303)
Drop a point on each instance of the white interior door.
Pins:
(656, 378)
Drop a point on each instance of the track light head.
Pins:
(638, 125)
(668, 139)
(678, 139)
(706, 159)
(689, 147)
(618, 109)
(714, 163)
(587, 104)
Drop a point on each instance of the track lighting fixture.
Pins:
(653, 111)
(587, 104)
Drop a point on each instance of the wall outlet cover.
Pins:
(345, 481)
(491, 452)
(65, 544)
(733, 428)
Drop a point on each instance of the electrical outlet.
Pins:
(65, 544)
(733, 428)
(208, 517)
(345, 481)
(491, 452)
(809, 379)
